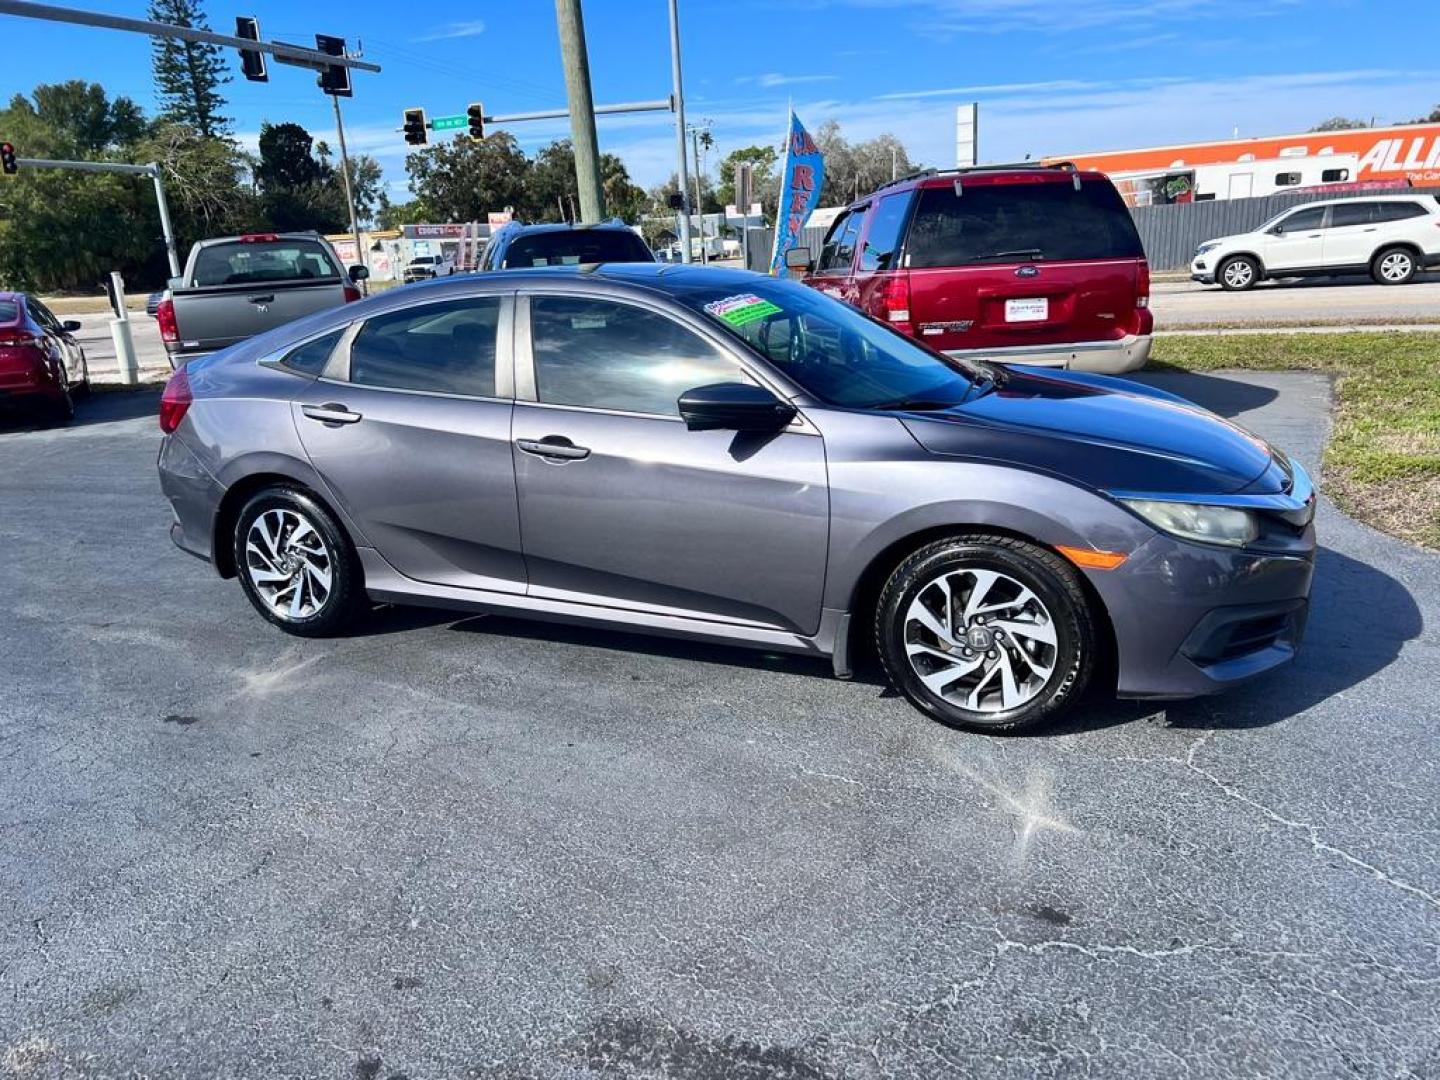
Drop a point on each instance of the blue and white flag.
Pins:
(799, 190)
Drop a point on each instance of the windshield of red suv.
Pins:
(568, 247)
(1021, 222)
(838, 354)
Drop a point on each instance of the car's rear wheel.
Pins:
(1238, 273)
(1393, 266)
(62, 411)
(986, 633)
(295, 564)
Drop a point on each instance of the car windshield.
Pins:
(240, 262)
(571, 246)
(835, 352)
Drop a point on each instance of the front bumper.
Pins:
(1102, 357)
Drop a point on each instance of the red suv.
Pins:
(1030, 264)
(40, 360)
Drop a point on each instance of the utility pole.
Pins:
(678, 98)
(699, 204)
(582, 109)
(349, 193)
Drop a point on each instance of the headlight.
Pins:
(1209, 245)
(1190, 521)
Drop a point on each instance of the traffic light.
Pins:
(415, 127)
(476, 115)
(335, 78)
(8, 165)
(252, 61)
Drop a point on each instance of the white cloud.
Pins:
(472, 28)
(949, 17)
(772, 79)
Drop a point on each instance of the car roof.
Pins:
(514, 228)
(983, 176)
(1362, 197)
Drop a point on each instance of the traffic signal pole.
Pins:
(582, 109)
(349, 194)
(678, 98)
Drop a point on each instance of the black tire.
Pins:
(342, 603)
(1048, 576)
(1394, 266)
(64, 409)
(1238, 273)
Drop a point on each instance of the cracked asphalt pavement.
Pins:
(480, 847)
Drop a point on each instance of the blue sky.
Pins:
(1051, 77)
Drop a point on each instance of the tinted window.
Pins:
(42, 315)
(311, 358)
(240, 262)
(830, 349)
(9, 311)
(448, 348)
(614, 356)
(570, 246)
(1333, 176)
(1019, 222)
(1351, 213)
(839, 250)
(1309, 218)
(1287, 179)
(1397, 211)
(882, 242)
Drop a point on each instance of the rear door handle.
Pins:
(553, 447)
(270, 299)
(1373, 228)
(330, 413)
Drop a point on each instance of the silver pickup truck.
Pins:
(237, 286)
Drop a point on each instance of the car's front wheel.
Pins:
(986, 633)
(1238, 273)
(1393, 266)
(295, 565)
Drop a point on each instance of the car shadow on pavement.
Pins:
(104, 407)
(1222, 396)
(1360, 618)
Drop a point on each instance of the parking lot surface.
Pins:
(1323, 301)
(466, 846)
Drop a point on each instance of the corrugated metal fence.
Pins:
(1170, 233)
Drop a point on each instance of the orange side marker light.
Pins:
(1092, 559)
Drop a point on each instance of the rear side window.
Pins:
(9, 311)
(240, 262)
(567, 248)
(1353, 213)
(1021, 222)
(446, 348)
(881, 250)
(1398, 211)
(839, 250)
(311, 358)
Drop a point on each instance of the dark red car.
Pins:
(42, 366)
(1029, 264)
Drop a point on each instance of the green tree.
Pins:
(550, 185)
(298, 189)
(1433, 118)
(764, 185)
(205, 181)
(188, 75)
(465, 180)
(1340, 123)
(394, 215)
(367, 181)
(83, 118)
(854, 169)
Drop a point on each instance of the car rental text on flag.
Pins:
(799, 190)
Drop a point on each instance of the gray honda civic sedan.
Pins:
(719, 455)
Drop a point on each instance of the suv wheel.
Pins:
(986, 633)
(295, 565)
(1238, 273)
(1393, 266)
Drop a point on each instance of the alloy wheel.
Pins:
(289, 563)
(1397, 266)
(981, 640)
(1238, 274)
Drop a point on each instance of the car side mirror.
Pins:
(1278, 230)
(734, 407)
(70, 325)
(798, 258)
(359, 273)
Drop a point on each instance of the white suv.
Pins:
(1389, 237)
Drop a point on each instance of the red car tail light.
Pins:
(259, 238)
(165, 318)
(351, 294)
(175, 401)
(10, 340)
(895, 302)
(1142, 285)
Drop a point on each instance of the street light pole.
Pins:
(166, 228)
(349, 192)
(582, 109)
(682, 175)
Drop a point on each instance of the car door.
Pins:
(621, 505)
(60, 346)
(877, 259)
(409, 427)
(1296, 242)
(1350, 239)
(834, 268)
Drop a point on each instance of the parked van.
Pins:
(1021, 263)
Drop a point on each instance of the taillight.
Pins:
(351, 294)
(21, 341)
(175, 401)
(165, 318)
(1142, 285)
(895, 302)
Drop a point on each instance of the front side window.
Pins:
(604, 355)
(1309, 218)
(240, 262)
(881, 250)
(446, 348)
(311, 358)
(830, 349)
(839, 250)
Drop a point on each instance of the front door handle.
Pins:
(269, 298)
(330, 413)
(553, 448)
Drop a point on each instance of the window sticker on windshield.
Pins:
(741, 309)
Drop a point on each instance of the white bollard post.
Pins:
(124, 351)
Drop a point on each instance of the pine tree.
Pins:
(188, 75)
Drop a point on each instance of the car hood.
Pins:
(1109, 434)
